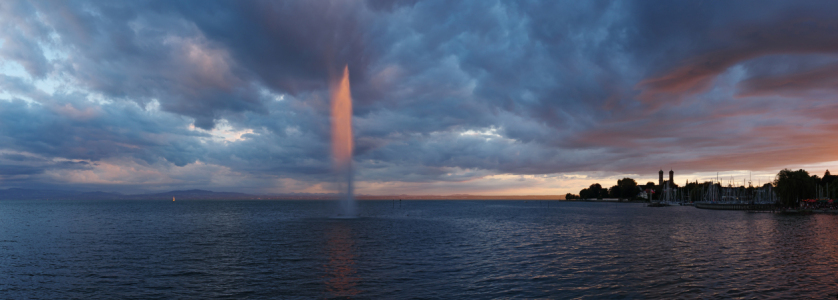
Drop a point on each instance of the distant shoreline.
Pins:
(37, 194)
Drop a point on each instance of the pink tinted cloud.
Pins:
(779, 149)
(695, 75)
(824, 78)
(746, 134)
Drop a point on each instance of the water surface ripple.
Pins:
(419, 249)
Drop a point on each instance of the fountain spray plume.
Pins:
(342, 143)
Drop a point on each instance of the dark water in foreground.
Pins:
(425, 249)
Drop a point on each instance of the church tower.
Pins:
(660, 178)
(670, 178)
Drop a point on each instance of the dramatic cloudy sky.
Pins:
(480, 97)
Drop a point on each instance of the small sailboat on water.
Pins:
(173, 198)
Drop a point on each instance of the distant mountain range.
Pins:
(32, 194)
(35, 194)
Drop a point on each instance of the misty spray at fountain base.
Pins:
(342, 139)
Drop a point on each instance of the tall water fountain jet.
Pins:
(342, 143)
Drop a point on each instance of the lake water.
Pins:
(419, 249)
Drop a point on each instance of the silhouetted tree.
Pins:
(584, 194)
(628, 188)
(792, 186)
(615, 192)
(593, 191)
(598, 191)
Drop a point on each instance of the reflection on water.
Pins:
(341, 276)
(423, 249)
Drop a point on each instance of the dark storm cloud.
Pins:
(136, 52)
(443, 91)
(777, 28)
(816, 75)
(290, 45)
(18, 45)
(6, 170)
(93, 133)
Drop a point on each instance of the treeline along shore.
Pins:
(790, 188)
